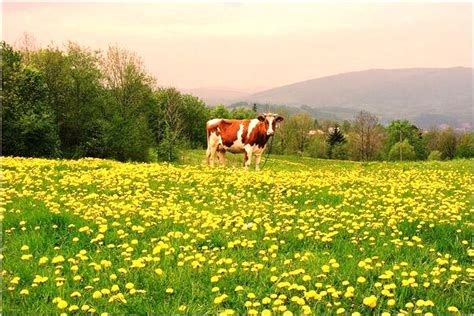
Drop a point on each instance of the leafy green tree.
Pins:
(169, 126)
(402, 151)
(317, 147)
(431, 139)
(81, 129)
(346, 126)
(447, 143)
(400, 130)
(365, 137)
(128, 97)
(220, 111)
(195, 116)
(465, 145)
(241, 113)
(28, 124)
(296, 133)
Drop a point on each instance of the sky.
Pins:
(251, 47)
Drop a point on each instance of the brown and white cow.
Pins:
(240, 136)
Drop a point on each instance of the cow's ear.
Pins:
(279, 119)
(261, 118)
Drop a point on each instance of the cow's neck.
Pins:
(263, 131)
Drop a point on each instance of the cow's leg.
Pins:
(221, 155)
(212, 145)
(247, 157)
(258, 157)
(211, 152)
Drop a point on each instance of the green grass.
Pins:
(410, 217)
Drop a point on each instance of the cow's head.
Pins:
(271, 120)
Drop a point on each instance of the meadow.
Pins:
(302, 236)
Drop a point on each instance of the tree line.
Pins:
(366, 139)
(78, 102)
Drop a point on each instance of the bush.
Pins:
(317, 147)
(407, 150)
(168, 151)
(465, 146)
(434, 155)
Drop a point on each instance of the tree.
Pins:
(334, 139)
(431, 139)
(447, 143)
(169, 127)
(366, 137)
(296, 132)
(254, 107)
(241, 113)
(434, 155)
(195, 116)
(465, 145)
(402, 150)
(129, 97)
(346, 126)
(220, 111)
(317, 146)
(400, 130)
(28, 123)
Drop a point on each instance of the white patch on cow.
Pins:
(213, 122)
(238, 145)
(252, 125)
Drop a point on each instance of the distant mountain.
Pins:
(217, 95)
(427, 96)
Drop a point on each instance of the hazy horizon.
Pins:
(252, 47)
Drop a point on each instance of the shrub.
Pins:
(407, 151)
(317, 147)
(434, 155)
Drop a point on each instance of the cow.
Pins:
(240, 136)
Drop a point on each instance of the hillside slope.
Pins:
(425, 95)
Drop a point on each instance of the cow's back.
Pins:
(233, 133)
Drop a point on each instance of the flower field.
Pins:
(302, 236)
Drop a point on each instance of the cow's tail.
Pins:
(208, 151)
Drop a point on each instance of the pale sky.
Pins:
(254, 46)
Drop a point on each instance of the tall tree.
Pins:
(170, 128)
(28, 122)
(465, 145)
(220, 111)
(398, 131)
(129, 88)
(195, 116)
(367, 135)
(296, 131)
(335, 139)
(447, 143)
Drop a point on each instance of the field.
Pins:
(301, 236)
